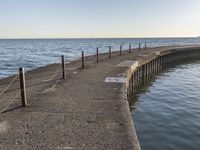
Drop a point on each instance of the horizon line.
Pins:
(47, 38)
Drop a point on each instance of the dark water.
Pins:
(34, 53)
(167, 116)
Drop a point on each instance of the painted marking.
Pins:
(115, 80)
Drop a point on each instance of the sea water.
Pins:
(32, 53)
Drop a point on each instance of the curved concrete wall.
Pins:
(139, 72)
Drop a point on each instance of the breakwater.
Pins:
(159, 61)
(83, 104)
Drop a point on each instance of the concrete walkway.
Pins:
(81, 112)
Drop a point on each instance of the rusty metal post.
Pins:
(110, 50)
(139, 47)
(154, 66)
(97, 55)
(22, 87)
(137, 78)
(129, 50)
(147, 72)
(143, 74)
(157, 65)
(138, 72)
(83, 60)
(162, 63)
(129, 91)
(63, 66)
(120, 50)
(132, 87)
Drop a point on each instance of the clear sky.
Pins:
(99, 18)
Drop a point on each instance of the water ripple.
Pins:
(46, 51)
(167, 116)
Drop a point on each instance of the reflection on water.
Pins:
(167, 115)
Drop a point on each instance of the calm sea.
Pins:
(167, 115)
(39, 52)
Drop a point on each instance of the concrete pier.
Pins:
(89, 110)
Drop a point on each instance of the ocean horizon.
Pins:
(33, 53)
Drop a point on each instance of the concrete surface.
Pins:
(81, 112)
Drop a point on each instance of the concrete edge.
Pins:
(129, 72)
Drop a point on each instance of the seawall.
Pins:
(87, 110)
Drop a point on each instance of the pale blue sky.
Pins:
(99, 18)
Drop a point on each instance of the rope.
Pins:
(50, 87)
(10, 102)
(46, 90)
(28, 104)
(9, 85)
(43, 91)
(35, 78)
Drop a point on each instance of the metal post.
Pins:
(132, 84)
(150, 69)
(97, 55)
(162, 63)
(129, 48)
(139, 46)
(159, 64)
(22, 87)
(140, 81)
(83, 60)
(129, 88)
(147, 76)
(120, 49)
(156, 65)
(146, 72)
(143, 74)
(110, 49)
(63, 67)
(167, 59)
(138, 78)
(153, 66)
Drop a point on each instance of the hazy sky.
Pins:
(99, 18)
